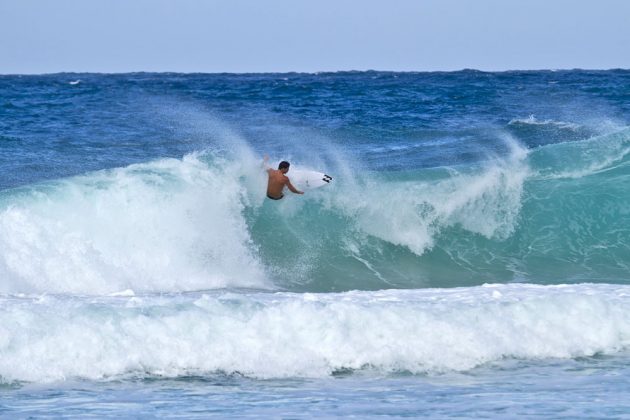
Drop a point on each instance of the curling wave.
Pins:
(556, 212)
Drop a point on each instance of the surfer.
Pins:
(278, 180)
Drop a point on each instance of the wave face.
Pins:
(278, 335)
(555, 212)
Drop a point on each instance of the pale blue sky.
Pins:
(41, 36)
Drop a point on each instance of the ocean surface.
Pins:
(471, 257)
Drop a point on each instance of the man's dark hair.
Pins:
(284, 164)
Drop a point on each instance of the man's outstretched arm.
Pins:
(293, 189)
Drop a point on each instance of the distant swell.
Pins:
(532, 120)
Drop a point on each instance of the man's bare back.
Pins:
(278, 180)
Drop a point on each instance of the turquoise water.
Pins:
(470, 259)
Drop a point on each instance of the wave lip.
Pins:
(483, 201)
(274, 335)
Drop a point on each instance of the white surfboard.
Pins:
(303, 179)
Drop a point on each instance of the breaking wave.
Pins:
(554, 212)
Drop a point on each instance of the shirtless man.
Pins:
(278, 180)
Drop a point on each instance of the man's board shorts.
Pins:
(275, 198)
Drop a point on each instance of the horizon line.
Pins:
(469, 69)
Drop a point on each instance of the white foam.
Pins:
(127, 292)
(413, 213)
(273, 335)
(167, 225)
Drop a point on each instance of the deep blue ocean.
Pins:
(471, 257)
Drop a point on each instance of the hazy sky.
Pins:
(42, 36)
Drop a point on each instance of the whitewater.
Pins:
(476, 241)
